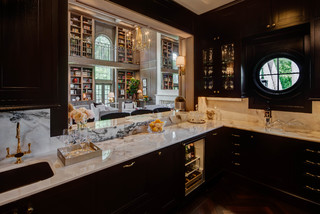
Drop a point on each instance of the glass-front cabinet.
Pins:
(221, 75)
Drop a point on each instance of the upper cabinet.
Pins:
(221, 74)
(32, 56)
(267, 15)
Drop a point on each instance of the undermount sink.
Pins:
(26, 175)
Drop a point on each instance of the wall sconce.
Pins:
(181, 62)
(111, 97)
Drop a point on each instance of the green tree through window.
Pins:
(279, 74)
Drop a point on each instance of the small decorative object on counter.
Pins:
(80, 116)
(210, 114)
(76, 153)
(196, 117)
(156, 126)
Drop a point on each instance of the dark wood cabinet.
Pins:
(221, 69)
(123, 188)
(31, 56)
(165, 178)
(267, 15)
(273, 161)
(308, 170)
(73, 197)
(216, 150)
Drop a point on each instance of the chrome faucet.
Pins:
(19, 153)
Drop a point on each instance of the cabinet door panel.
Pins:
(164, 175)
(28, 59)
(290, 13)
(123, 186)
(273, 160)
(257, 15)
(216, 152)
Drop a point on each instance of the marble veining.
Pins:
(35, 129)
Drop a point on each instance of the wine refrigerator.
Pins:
(194, 165)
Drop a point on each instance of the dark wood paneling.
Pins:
(33, 71)
(315, 58)
(28, 56)
(59, 114)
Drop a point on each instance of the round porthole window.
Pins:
(278, 75)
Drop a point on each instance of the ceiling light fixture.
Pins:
(141, 41)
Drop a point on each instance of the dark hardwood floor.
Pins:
(233, 194)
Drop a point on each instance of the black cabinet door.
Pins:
(29, 53)
(257, 17)
(73, 197)
(289, 13)
(165, 178)
(266, 15)
(123, 188)
(216, 152)
(273, 160)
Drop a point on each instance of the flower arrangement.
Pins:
(81, 115)
(146, 98)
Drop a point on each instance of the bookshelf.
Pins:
(167, 81)
(125, 52)
(81, 35)
(123, 81)
(168, 48)
(81, 83)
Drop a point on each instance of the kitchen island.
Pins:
(121, 151)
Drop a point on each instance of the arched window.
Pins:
(103, 48)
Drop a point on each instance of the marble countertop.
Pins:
(119, 150)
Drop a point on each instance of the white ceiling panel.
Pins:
(202, 6)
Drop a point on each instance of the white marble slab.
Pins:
(34, 129)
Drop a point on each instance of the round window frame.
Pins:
(296, 58)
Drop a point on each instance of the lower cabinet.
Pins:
(123, 188)
(309, 171)
(166, 178)
(287, 164)
(149, 184)
(73, 197)
(216, 150)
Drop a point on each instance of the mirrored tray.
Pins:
(76, 153)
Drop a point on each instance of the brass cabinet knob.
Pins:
(30, 210)
(159, 153)
(268, 26)
(273, 25)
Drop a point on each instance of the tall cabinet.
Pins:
(81, 35)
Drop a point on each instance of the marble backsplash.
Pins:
(239, 111)
(34, 129)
